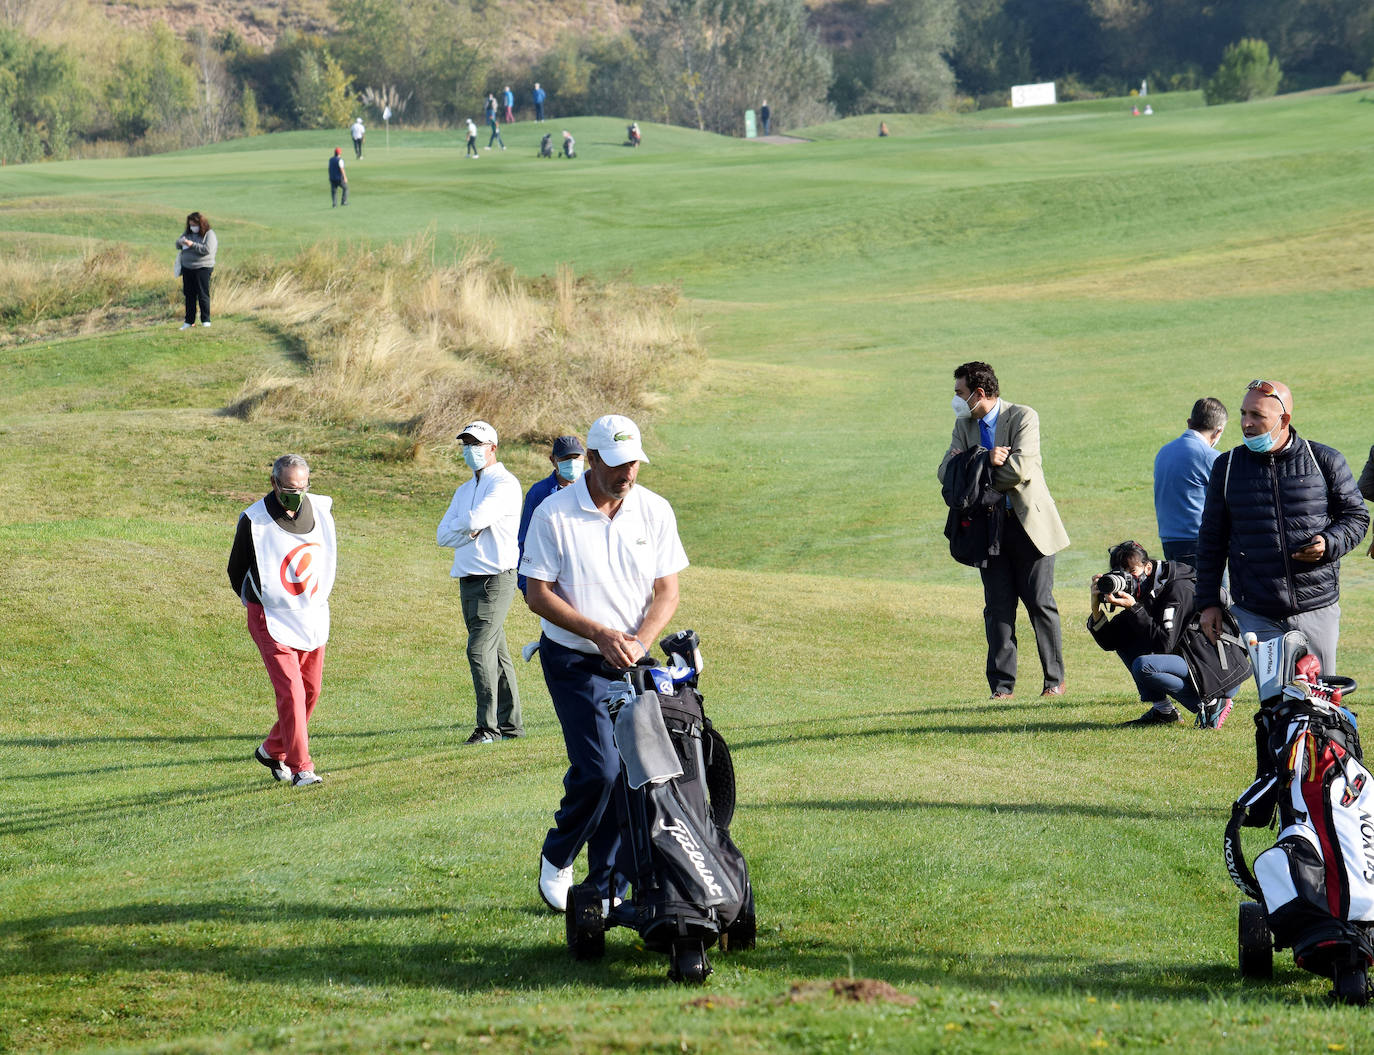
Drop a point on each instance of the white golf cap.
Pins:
(479, 431)
(615, 438)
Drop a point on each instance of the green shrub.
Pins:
(1246, 72)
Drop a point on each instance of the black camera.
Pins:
(1116, 582)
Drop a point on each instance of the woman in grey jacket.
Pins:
(197, 244)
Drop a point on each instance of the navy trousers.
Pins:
(589, 813)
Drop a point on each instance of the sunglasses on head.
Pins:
(1266, 388)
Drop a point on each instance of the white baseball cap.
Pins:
(479, 431)
(615, 438)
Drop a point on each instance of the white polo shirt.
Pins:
(488, 508)
(604, 567)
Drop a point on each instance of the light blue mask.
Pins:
(475, 455)
(570, 469)
(1261, 444)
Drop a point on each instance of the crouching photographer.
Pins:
(1153, 605)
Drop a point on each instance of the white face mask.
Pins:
(961, 408)
(194, 229)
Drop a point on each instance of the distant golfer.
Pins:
(358, 132)
(766, 117)
(538, 96)
(338, 179)
(569, 145)
(472, 140)
(282, 568)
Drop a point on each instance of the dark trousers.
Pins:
(358, 148)
(539, 111)
(1184, 551)
(588, 814)
(195, 287)
(1020, 573)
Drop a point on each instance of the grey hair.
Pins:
(288, 461)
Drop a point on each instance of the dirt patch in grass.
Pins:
(854, 990)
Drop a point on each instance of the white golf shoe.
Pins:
(554, 884)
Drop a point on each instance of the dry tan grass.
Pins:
(389, 338)
(38, 289)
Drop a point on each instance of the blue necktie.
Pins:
(985, 432)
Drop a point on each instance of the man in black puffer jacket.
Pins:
(1282, 512)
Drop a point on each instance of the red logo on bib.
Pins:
(296, 576)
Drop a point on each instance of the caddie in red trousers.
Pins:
(282, 567)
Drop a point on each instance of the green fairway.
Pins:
(1006, 877)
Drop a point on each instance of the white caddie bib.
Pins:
(296, 573)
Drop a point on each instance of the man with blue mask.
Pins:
(568, 458)
(1281, 512)
(481, 525)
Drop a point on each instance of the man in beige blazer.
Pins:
(1033, 533)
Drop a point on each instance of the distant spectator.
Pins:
(569, 145)
(197, 263)
(766, 116)
(495, 134)
(472, 139)
(1148, 110)
(508, 98)
(882, 130)
(539, 95)
(338, 179)
(358, 131)
(489, 110)
(633, 133)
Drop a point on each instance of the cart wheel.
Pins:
(586, 927)
(688, 963)
(1256, 944)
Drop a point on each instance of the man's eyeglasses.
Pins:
(1266, 388)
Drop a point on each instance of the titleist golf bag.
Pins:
(1313, 890)
(677, 798)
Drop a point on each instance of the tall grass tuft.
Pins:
(388, 337)
(37, 290)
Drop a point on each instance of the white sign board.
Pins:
(1033, 94)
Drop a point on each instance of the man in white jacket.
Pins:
(481, 525)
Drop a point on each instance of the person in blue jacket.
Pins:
(539, 95)
(568, 457)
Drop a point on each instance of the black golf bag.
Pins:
(691, 886)
(1313, 890)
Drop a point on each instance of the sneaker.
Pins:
(554, 884)
(306, 778)
(279, 769)
(1157, 717)
(186, 325)
(1213, 713)
(205, 324)
(481, 736)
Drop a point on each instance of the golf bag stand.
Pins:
(1313, 890)
(675, 800)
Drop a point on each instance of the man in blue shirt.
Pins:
(538, 95)
(568, 458)
(1182, 469)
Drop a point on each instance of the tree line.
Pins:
(72, 82)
